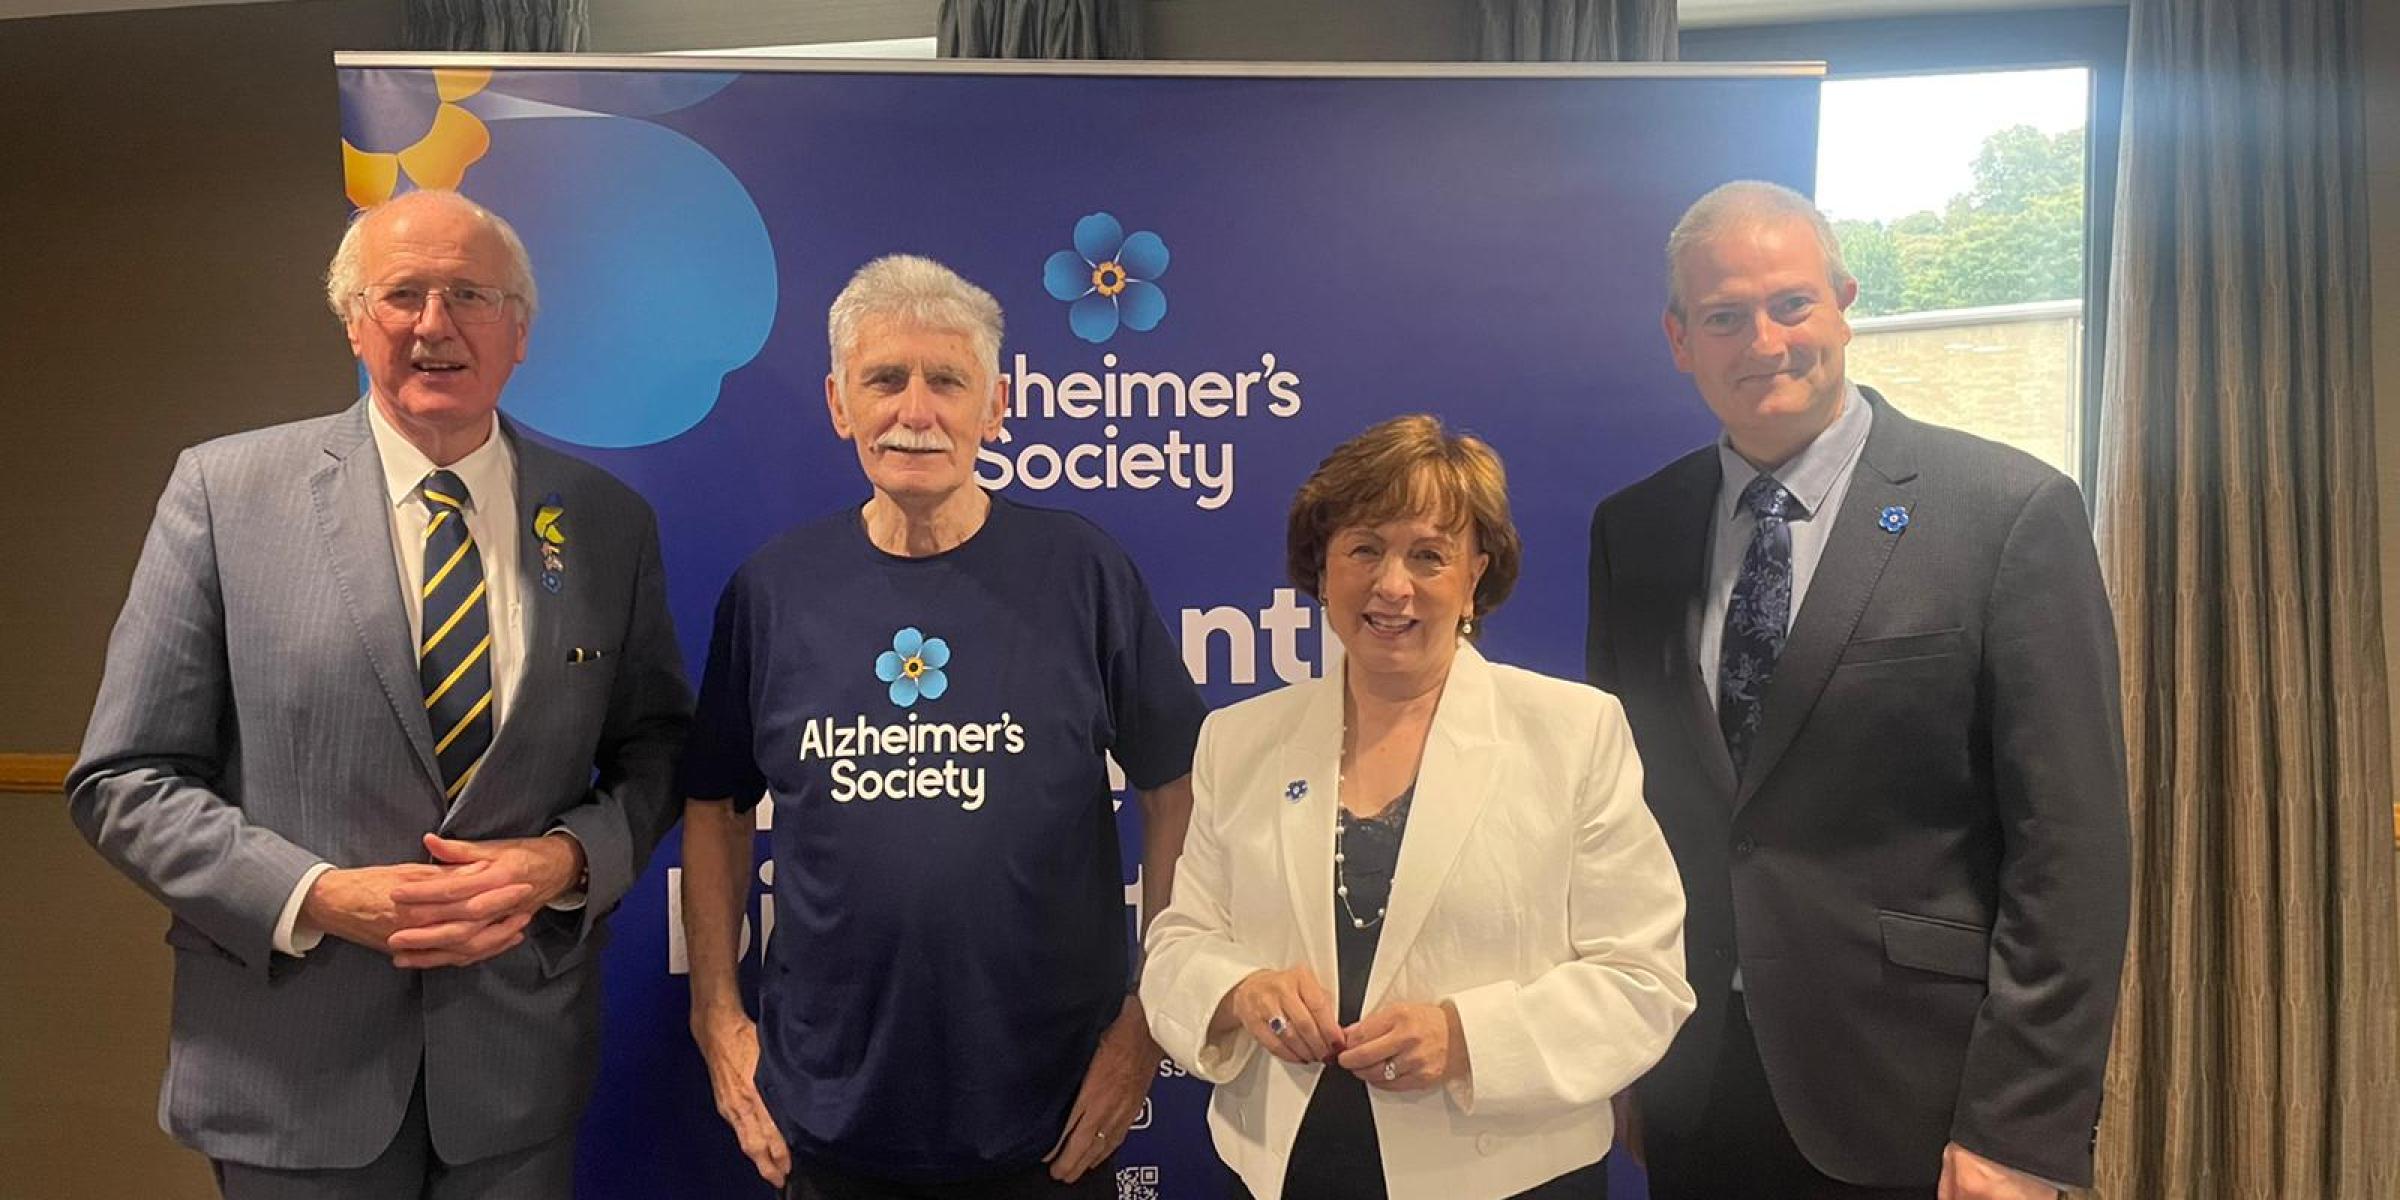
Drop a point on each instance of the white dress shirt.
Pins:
(1817, 477)
(490, 473)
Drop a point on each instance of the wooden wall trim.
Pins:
(34, 772)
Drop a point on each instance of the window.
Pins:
(1959, 200)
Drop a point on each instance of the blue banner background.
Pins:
(1484, 248)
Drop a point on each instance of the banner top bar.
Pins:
(1153, 68)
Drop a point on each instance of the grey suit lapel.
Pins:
(347, 490)
(1846, 578)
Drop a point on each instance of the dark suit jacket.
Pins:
(261, 711)
(1923, 871)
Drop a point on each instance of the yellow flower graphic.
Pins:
(454, 141)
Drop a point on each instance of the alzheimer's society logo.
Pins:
(913, 666)
(1108, 281)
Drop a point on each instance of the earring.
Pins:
(1466, 627)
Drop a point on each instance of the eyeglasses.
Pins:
(404, 303)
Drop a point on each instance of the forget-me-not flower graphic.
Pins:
(1107, 279)
(913, 666)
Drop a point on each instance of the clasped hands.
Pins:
(1399, 1047)
(471, 903)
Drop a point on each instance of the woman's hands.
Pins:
(1286, 1011)
(1399, 1047)
(1407, 1047)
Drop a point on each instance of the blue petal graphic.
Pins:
(1143, 257)
(932, 684)
(1142, 305)
(904, 691)
(887, 666)
(936, 653)
(1097, 237)
(1093, 318)
(618, 365)
(908, 641)
(1066, 276)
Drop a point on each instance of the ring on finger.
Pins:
(1391, 1069)
(1276, 1025)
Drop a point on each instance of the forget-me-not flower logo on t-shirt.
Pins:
(913, 666)
(1108, 279)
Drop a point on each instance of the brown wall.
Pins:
(172, 187)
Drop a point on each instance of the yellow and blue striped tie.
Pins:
(454, 654)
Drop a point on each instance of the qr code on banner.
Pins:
(1137, 1183)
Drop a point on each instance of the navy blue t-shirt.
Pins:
(950, 934)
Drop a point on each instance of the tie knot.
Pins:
(444, 489)
(1767, 498)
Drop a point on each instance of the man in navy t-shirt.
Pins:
(928, 685)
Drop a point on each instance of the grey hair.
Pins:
(918, 291)
(1748, 202)
(345, 275)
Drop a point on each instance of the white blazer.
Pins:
(1533, 892)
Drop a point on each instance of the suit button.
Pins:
(1487, 1143)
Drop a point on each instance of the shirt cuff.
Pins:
(572, 899)
(291, 937)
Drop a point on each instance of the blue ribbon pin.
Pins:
(1295, 791)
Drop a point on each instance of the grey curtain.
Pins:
(1040, 29)
(496, 26)
(1575, 30)
(2256, 1045)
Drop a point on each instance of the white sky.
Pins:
(1890, 147)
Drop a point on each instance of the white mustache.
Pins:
(902, 438)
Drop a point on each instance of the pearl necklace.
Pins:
(1341, 875)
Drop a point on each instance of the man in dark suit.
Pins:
(389, 724)
(1872, 673)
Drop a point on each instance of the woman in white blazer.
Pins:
(1423, 927)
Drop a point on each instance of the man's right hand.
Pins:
(729, 1041)
(356, 905)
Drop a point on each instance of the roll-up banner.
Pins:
(1291, 252)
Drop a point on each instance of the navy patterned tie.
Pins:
(1758, 617)
(454, 655)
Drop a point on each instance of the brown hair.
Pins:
(1407, 467)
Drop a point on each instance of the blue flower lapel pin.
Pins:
(1893, 518)
(1295, 791)
(551, 538)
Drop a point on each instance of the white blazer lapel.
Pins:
(1309, 785)
(1453, 782)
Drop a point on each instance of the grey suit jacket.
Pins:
(261, 712)
(1922, 873)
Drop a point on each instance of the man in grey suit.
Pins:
(389, 724)
(1872, 673)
